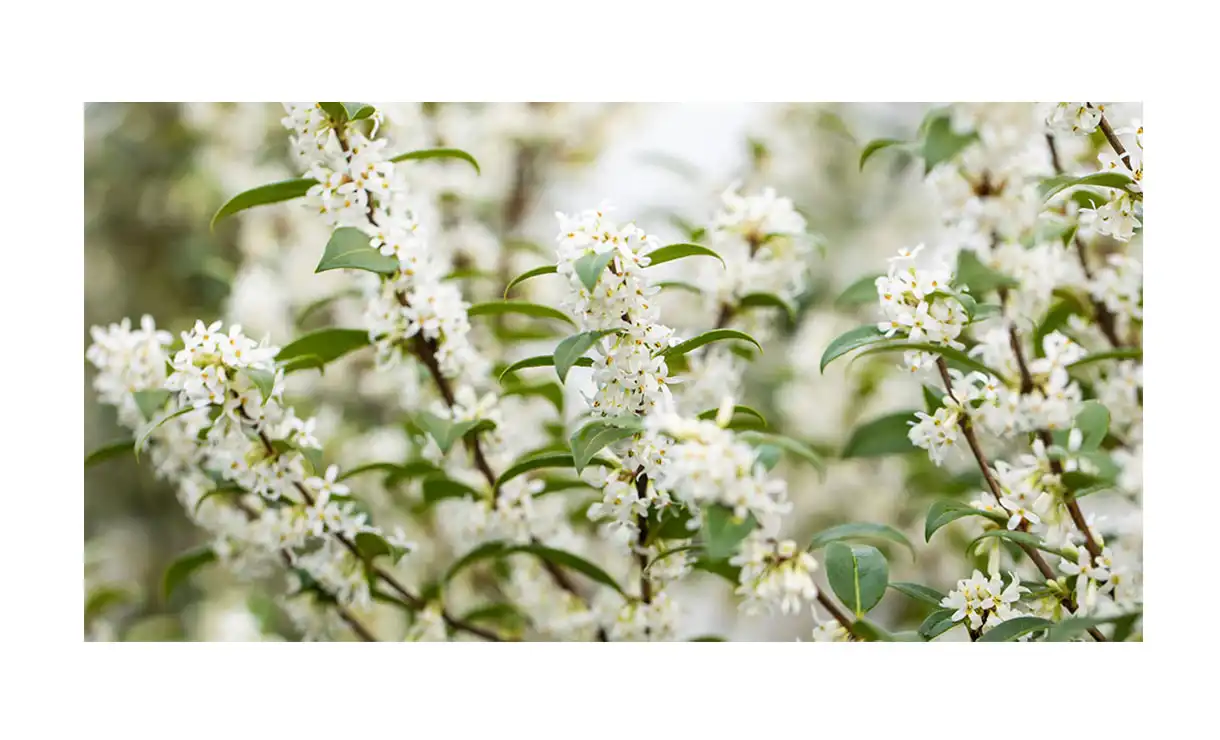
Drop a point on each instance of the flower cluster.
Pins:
(774, 573)
(984, 602)
(764, 244)
(919, 304)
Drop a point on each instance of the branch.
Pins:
(967, 428)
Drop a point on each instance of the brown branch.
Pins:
(839, 616)
(1108, 131)
(984, 466)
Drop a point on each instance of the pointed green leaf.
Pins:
(1016, 537)
(438, 487)
(723, 531)
(445, 432)
(151, 403)
(573, 348)
(147, 430)
(859, 530)
(335, 111)
(858, 574)
(1055, 185)
(262, 379)
(541, 361)
(303, 362)
(327, 345)
(941, 143)
(1076, 626)
(707, 337)
(1117, 354)
(349, 248)
(183, 566)
(875, 146)
(544, 270)
(1093, 421)
(980, 278)
(937, 623)
(275, 192)
(109, 450)
(539, 462)
(561, 558)
(524, 308)
(883, 436)
(796, 447)
(595, 435)
(768, 300)
(738, 411)
(1010, 630)
(952, 356)
(678, 285)
(439, 153)
(848, 341)
(678, 251)
(358, 111)
(919, 592)
(858, 293)
(945, 511)
(589, 268)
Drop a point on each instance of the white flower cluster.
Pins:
(919, 304)
(708, 465)
(774, 573)
(127, 361)
(984, 602)
(359, 186)
(1074, 118)
(218, 428)
(764, 244)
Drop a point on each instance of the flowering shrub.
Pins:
(520, 484)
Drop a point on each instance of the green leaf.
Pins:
(372, 545)
(678, 251)
(1055, 185)
(941, 143)
(919, 592)
(858, 293)
(1117, 354)
(1010, 630)
(873, 632)
(276, 192)
(796, 447)
(304, 362)
(937, 623)
(980, 278)
(848, 341)
(743, 411)
(349, 248)
(875, 146)
(886, 435)
(589, 268)
(707, 638)
(386, 467)
(678, 285)
(544, 270)
(104, 597)
(541, 361)
(438, 487)
(500, 613)
(551, 391)
(768, 300)
(545, 461)
(669, 523)
(147, 430)
(445, 432)
(595, 435)
(229, 490)
(525, 308)
(358, 111)
(183, 566)
(262, 379)
(1016, 537)
(945, 511)
(109, 450)
(1093, 421)
(707, 337)
(858, 574)
(337, 112)
(1073, 627)
(561, 558)
(573, 348)
(953, 356)
(439, 153)
(723, 531)
(859, 530)
(151, 403)
(327, 345)
(416, 469)
(933, 399)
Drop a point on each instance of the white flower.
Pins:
(774, 574)
(984, 602)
